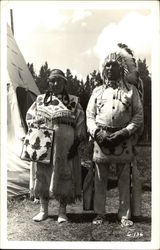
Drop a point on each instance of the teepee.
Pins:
(21, 92)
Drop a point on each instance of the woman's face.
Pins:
(56, 85)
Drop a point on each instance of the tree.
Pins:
(84, 89)
(42, 78)
(69, 86)
(95, 79)
(144, 75)
(143, 69)
(31, 69)
(83, 95)
(73, 84)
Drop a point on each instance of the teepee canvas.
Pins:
(21, 92)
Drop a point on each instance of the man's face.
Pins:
(112, 71)
(57, 85)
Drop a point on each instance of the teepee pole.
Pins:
(12, 25)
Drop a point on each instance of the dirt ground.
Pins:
(21, 227)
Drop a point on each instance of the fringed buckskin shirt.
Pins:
(118, 107)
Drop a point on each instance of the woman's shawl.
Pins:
(57, 112)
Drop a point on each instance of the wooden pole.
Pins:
(12, 25)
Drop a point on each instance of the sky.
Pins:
(78, 35)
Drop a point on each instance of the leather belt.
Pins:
(109, 129)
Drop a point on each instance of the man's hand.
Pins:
(119, 136)
(100, 135)
(103, 139)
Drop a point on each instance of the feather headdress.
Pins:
(125, 58)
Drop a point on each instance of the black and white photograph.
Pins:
(80, 125)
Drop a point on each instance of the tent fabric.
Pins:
(17, 67)
(18, 170)
(21, 92)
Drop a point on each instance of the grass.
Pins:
(21, 209)
(21, 227)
